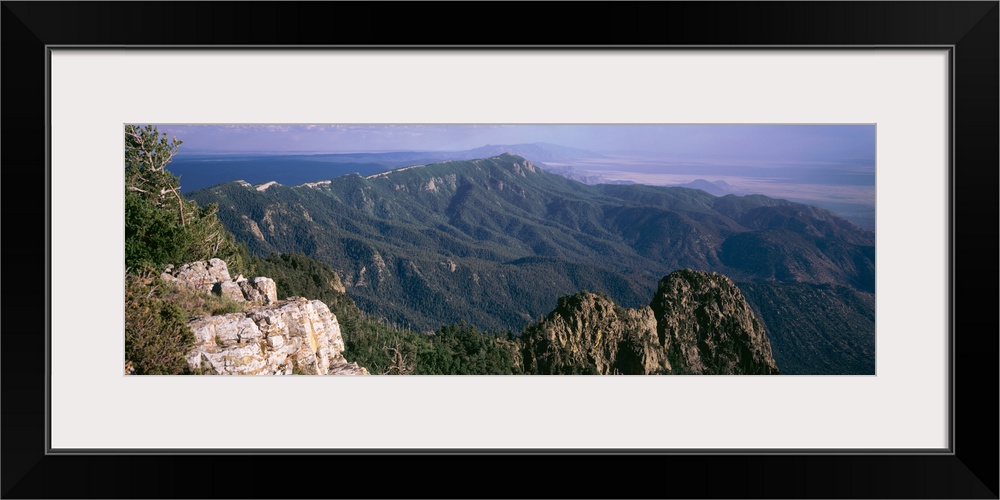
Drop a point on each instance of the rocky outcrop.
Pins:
(589, 333)
(268, 337)
(707, 327)
(697, 323)
(202, 275)
(213, 276)
(293, 336)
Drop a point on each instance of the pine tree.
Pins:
(161, 227)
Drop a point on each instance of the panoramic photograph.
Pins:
(499, 249)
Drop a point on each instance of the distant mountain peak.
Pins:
(539, 152)
(264, 186)
(519, 164)
(515, 164)
(714, 188)
(315, 184)
(397, 170)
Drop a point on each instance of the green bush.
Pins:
(196, 302)
(156, 331)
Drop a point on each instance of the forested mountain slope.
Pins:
(496, 241)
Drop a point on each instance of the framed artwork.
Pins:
(906, 94)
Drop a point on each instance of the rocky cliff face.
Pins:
(707, 327)
(697, 323)
(289, 337)
(589, 333)
(268, 337)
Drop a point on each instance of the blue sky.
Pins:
(709, 143)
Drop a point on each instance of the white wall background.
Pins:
(95, 92)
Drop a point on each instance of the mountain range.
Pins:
(201, 170)
(496, 241)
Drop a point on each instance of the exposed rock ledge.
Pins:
(269, 337)
(292, 336)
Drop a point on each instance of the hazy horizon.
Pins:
(745, 142)
(829, 165)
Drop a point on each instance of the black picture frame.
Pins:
(970, 29)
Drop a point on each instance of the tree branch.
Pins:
(180, 201)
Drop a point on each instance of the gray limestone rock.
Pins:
(202, 275)
(213, 276)
(229, 289)
(260, 290)
(294, 335)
